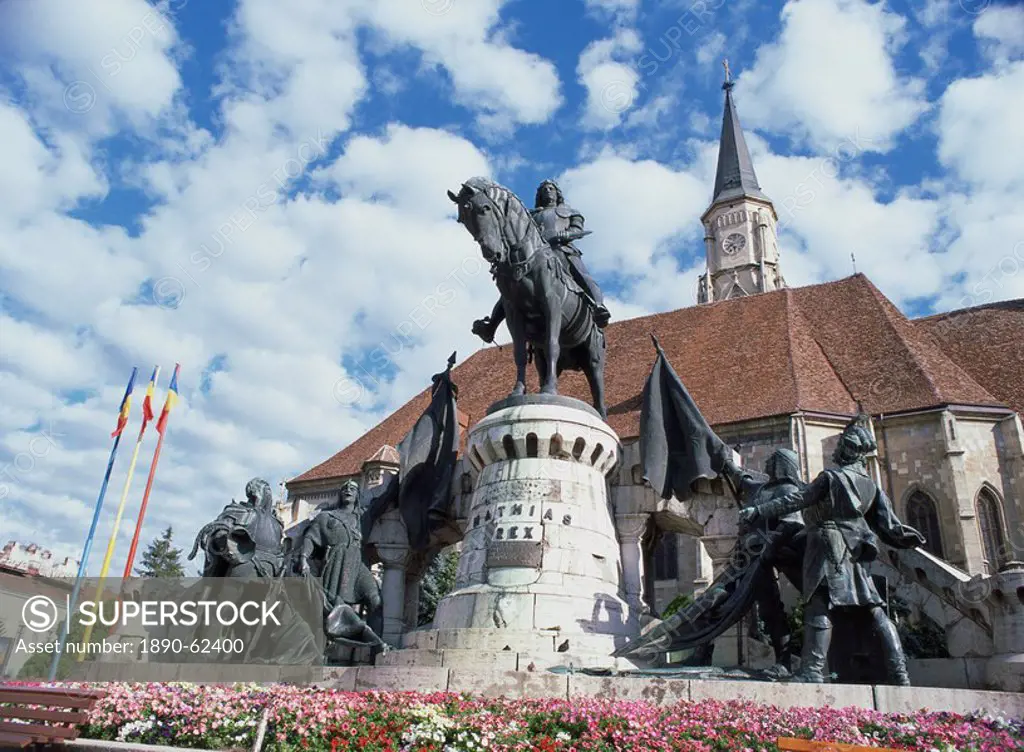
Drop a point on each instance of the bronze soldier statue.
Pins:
(560, 225)
(781, 478)
(332, 549)
(844, 511)
(245, 540)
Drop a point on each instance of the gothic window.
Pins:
(991, 524)
(666, 557)
(923, 515)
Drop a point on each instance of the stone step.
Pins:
(541, 640)
(514, 684)
(499, 660)
(538, 641)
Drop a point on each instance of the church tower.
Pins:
(740, 225)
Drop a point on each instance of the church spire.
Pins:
(735, 176)
(740, 225)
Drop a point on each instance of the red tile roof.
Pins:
(885, 361)
(818, 349)
(987, 342)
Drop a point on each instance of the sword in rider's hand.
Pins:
(582, 234)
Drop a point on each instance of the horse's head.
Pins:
(482, 215)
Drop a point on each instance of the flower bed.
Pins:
(300, 718)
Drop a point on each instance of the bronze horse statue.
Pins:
(548, 315)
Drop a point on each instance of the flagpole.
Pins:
(145, 502)
(112, 544)
(87, 549)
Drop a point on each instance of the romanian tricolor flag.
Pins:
(147, 403)
(172, 397)
(126, 405)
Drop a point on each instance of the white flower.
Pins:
(134, 728)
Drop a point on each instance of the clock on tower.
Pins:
(733, 243)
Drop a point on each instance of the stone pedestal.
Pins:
(541, 556)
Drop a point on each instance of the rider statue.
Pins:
(846, 514)
(560, 225)
(333, 542)
(245, 540)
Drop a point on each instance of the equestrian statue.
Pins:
(245, 539)
(553, 307)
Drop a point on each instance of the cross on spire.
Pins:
(735, 176)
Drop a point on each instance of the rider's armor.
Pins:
(247, 540)
(560, 225)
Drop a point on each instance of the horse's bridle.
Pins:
(519, 268)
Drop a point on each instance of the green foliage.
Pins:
(921, 637)
(678, 603)
(437, 583)
(161, 558)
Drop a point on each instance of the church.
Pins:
(773, 366)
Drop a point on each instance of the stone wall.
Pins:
(951, 457)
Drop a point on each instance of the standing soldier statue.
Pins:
(332, 550)
(560, 226)
(783, 553)
(844, 512)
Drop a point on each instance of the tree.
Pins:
(161, 558)
(438, 581)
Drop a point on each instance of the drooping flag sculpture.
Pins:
(428, 454)
(677, 447)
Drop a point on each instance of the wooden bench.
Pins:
(47, 716)
(790, 744)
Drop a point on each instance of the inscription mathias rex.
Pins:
(518, 509)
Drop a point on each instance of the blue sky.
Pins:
(257, 190)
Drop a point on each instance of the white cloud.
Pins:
(407, 168)
(831, 73)
(294, 66)
(94, 65)
(36, 177)
(1000, 32)
(711, 50)
(505, 85)
(979, 129)
(619, 11)
(977, 143)
(610, 78)
(933, 13)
